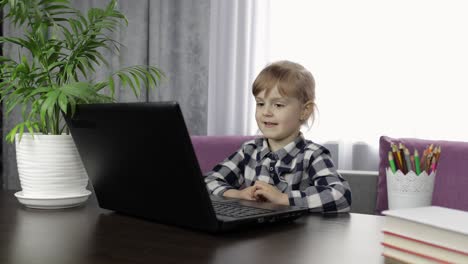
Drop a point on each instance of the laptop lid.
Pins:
(140, 160)
(140, 168)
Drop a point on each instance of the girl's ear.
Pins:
(307, 110)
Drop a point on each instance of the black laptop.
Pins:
(140, 161)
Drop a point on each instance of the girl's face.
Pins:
(278, 117)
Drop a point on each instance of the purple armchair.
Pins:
(211, 150)
(451, 182)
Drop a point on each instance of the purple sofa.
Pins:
(211, 150)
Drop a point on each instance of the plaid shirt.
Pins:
(302, 169)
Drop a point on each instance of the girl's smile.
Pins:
(270, 124)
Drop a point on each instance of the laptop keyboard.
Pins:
(235, 210)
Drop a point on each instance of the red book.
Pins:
(408, 249)
(401, 255)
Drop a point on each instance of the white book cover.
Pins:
(436, 216)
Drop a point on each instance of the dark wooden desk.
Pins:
(91, 235)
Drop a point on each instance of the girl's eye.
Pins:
(279, 105)
(259, 104)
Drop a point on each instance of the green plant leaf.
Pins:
(14, 40)
(49, 103)
(40, 90)
(58, 51)
(63, 102)
(111, 86)
(10, 137)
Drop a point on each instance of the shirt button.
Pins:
(271, 168)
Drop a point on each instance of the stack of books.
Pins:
(425, 235)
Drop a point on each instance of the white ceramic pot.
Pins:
(49, 166)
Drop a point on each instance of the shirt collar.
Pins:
(287, 153)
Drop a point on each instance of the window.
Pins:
(398, 68)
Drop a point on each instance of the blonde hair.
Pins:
(291, 78)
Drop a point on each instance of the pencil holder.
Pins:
(409, 190)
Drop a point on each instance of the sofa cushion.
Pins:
(451, 183)
(211, 150)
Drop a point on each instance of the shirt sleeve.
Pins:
(328, 191)
(227, 174)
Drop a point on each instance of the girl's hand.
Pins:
(265, 191)
(246, 193)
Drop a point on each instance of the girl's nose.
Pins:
(267, 111)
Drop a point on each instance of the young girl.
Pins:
(281, 166)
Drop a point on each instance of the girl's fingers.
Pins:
(260, 192)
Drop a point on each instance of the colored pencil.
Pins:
(417, 167)
(391, 162)
(402, 157)
(395, 157)
(407, 160)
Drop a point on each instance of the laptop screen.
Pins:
(140, 160)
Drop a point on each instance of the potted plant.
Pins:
(59, 50)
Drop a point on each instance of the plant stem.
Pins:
(57, 120)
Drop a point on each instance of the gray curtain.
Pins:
(170, 34)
